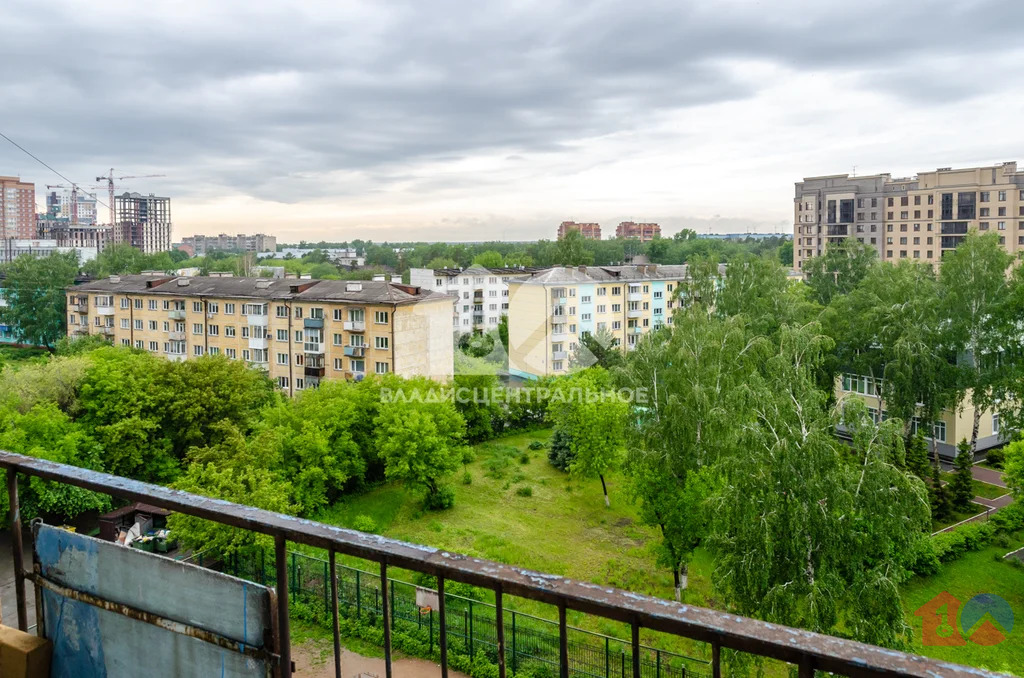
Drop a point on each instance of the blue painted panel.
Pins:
(92, 642)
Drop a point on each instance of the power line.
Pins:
(37, 159)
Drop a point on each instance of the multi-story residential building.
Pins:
(480, 294)
(200, 245)
(143, 221)
(590, 231)
(918, 217)
(17, 208)
(952, 426)
(550, 311)
(12, 248)
(66, 234)
(634, 231)
(59, 204)
(299, 331)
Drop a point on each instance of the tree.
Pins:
(518, 258)
(503, 332)
(684, 234)
(420, 436)
(697, 401)
(974, 289)
(962, 486)
(36, 308)
(786, 253)
(839, 270)
(1013, 468)
(917, 456)
(597, 348)
(475, 400)
(438, 263)
(594, 419)
(571, 250)
(831, 532)
(941, 503)
(489, 259)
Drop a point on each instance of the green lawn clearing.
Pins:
(985, 490)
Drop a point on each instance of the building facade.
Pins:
(917, 217)
(59, 204)
(550, 311)
(200, 245)
(12, 248)
(590, 231)
(952, 426)
(480, 295)
(143, 221)
(634, 231)
(65, 234)
(17, 208)
(300, 331)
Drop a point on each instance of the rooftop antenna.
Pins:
(854, 171)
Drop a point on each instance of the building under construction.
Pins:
(143, 221)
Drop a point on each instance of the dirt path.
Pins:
(315, 659)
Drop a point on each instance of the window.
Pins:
(602, 291)
(214, 350)
(1002, 212)
(585, 317)
(1002, 196)
(616, 324)
(1001, 225)
(984, 197)
(245, 332)
(585, 299)
(659, 294)
(282, 335)
(137, 303)
(299, 359)
(338, 364)
(282, 358)
(126, 342)
(337, 339)
(995, 424)
(154, 346)
(245, 354)
(138, 324)
(197, 306)
(281, 311)
(197, 350)
(152, 304)
(153, 325)
(212, 307)
(229, 308)
(601, 308)
(616, 291)
(124, 323)
(124, 303)
(282, 382)
(197, 328)
(298, 337)
(381, 368)
(616, 308)
(229, 330)
(380, 342)
(338, 314)
(231, 353)
(380, 317)
(357, 365)
(557, 364)
(213, 330)
(298, 312)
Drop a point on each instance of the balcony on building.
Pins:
(355, 351)
(107, 330)
(176, 314)
(559, 333)
(478, 319)
(559, 355)
(636, 329)
(355, 325)
(259, 342)
(838, 230)
(256, 318)
(178, 603)
(315, 366)
(634, 313)
(104, 310)
(79, 307)
(313, 323)
(313, 348)
(176, 336)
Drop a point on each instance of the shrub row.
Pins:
(955, 544)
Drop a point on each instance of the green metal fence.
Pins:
(530, 642)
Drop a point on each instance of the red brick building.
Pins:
(589, 231)
(635, 231)
(17, 208)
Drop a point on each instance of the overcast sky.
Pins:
(461, 120)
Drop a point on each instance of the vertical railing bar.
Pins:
(716, 660)
(499, 625)
(636, 649)
(385, 600)
(563, 643)
(17, 548)
(334, 613)
(443, 622)
(806, 667)
(281, 563)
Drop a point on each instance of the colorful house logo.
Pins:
(986, 619)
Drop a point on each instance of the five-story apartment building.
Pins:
(299, 331)
(480, 294)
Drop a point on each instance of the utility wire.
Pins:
(37, 159)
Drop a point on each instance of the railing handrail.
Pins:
(810, 651)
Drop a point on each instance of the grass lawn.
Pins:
(975, 573)
(564, 528)
(956, 517)
(986, 490)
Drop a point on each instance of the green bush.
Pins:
(560, 454)
(537, 445)
(524, 458)
(524, 491)
(518, 478)
(995, 457)
(923, 558)
(467, 478)
(443, 499)
(364, 523)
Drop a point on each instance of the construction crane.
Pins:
(110, 178)
(74, 200)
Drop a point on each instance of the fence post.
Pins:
(622, 671)
(325, 582)
(607, 667)
(471, 653)
(431, 631)
(392, 606)
(359, 597)
(657, 670)
(376, 601)
(295, 584)
(513, 641)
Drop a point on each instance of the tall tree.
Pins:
(597, 348)
(36, 307)
(962, 486)
(489, 259)
(830, 531)
(974, 288)
(572, 250)
(839, 270)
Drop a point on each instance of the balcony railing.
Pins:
(355, 351)
(176, 314)
(838, 230)
(809, 651)
(355, 325)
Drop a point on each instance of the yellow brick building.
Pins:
(550, 311)
(299, 331)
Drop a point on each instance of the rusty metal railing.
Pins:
(809, 651)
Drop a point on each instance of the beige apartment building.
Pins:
(300, 331)
(917, 217)
(590, 231)
(643, 232)
(551, 310)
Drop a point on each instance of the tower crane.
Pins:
(110, 178)
(74, 200)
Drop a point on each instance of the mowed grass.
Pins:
(564, 528)
(986, 490)
(978, 572)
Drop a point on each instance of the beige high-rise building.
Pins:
(299, 331)
(17, 208)
(918, 217)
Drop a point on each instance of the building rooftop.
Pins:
(501, 270)
(350, 291)
(585, 274)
